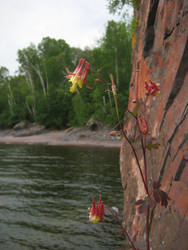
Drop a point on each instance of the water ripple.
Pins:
(45, 192)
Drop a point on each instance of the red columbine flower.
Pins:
(78, 77)
(143, 126)
(151, 88)
(97, 211)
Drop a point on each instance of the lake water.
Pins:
(45, 192)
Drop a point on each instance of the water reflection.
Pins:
(45, 192)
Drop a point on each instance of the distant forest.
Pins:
(41, 93)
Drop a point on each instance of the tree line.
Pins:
(41, 93)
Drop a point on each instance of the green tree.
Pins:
(44, 69)
(41, 92)
(112, 57)
(116, 6)
(80, 109)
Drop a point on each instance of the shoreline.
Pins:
(76, 137)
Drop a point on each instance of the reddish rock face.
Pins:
(161, 54)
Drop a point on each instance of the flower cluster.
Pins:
(96, 211)
(151, 90)
(78, 77)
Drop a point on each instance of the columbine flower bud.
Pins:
(113, 133)
(143, 126)
(151, 88)
(113, 85)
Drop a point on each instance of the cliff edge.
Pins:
(161, 54)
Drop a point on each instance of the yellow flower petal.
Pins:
(94, 219)
(76, 81)
(80, 83)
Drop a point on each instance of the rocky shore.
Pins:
(69, 137)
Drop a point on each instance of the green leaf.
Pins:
(135, 111)
(152, 146)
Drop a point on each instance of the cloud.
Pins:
(80, 23)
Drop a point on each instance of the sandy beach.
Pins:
(68, 137)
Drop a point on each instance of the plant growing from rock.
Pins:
(154, 195)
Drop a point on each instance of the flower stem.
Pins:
(145, 162)
(138, 163)
(147, 227)
(131, 145)
(114, 214)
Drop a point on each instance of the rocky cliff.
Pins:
(161, 54)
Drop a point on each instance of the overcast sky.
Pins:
(79, 22)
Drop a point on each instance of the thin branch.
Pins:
(114, 214)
